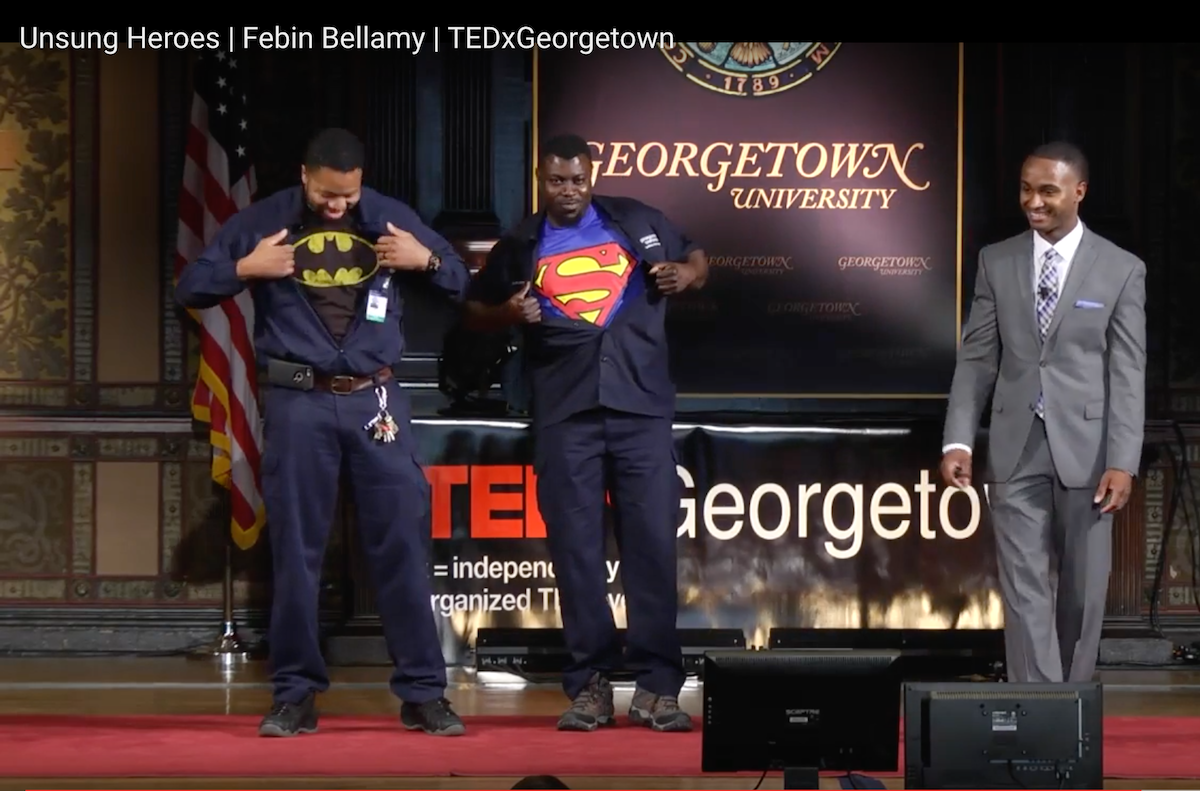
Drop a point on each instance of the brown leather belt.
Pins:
(345, 385)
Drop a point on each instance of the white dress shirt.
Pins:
(1066, 248)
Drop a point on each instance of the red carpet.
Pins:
(218, 746)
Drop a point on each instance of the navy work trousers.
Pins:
(309, 436)
(632, 457)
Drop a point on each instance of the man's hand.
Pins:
(956, 468)
(673, 278)
(401, 250)
(272, 258)
(1116, 486)
(522, 308)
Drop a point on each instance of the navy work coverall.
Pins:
(602, 407)
(310, 434)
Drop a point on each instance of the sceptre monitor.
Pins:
(801, 712)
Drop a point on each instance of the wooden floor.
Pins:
(185, 686)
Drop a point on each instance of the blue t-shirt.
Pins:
(585, 272)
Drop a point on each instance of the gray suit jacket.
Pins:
(1092, 366)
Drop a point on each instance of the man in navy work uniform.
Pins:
(587, 277)
(322, 260)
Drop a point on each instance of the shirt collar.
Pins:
(1066, 246)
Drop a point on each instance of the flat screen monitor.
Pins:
(801, 712)
(999, 735)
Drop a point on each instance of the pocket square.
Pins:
(1083, 303)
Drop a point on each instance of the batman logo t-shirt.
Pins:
(334, 264)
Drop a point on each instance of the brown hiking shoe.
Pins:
(658, 712)
(591, 708)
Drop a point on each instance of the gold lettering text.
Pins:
(848, 175)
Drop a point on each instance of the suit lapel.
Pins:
(1024, 265)
(1085, 258)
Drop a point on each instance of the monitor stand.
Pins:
(801, 777)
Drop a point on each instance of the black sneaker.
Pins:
(435, 717)
(658, 712)
(591, 708)
(290, 719)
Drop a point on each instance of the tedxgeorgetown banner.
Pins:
(819, 527)
(823, 179)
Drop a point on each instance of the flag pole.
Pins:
(227, 648)
(218, 119)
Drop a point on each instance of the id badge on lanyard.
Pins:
(377, 301)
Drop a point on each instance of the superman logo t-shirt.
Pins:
(585, 273)
(601, 340)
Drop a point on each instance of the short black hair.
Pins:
(566, 147)
(1067, 153)
(336, 149)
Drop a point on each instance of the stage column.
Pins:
(468, 206)
(386, 108)
(429, 136)
(512, 135)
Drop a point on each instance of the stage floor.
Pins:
(125, 686)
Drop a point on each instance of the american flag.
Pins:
(218, 180)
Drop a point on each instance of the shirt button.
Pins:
(603, 359)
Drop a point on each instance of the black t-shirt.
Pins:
(334, 264)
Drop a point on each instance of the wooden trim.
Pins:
(1125, 587)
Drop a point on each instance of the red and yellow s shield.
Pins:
(585, 284)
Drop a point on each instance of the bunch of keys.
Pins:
(383, 424)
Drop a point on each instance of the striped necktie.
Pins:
(1047, 300)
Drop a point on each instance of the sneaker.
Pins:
(658, 712)
(591, 708)
(290, 719)
(435, 717)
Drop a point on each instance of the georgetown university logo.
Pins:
(753, 68)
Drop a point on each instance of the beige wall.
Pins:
(128, 306)
(129, 311)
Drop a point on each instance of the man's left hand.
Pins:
(673, 278)
(1116, 485)
(401, 250)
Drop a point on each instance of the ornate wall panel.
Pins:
(47, 241)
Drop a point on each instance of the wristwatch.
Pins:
(434, 263)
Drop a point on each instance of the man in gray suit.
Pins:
(1057, 338)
